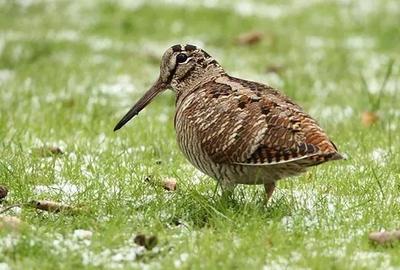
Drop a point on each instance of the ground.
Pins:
(69, 70)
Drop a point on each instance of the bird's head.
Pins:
(182, 66)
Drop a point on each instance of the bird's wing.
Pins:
(243, 122)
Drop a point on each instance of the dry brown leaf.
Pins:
(249, 38)
(69, 103)
(158, 162)
(140, 240)
(47, 151)
(3, 192)
(169, 184)
(149, 242)
(369, 118)
(274, 69)
(385, 237)
(10, 223)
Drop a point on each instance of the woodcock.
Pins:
(234, 130)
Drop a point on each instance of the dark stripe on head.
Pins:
(177, 48)
(206, 54)
(190, 48)
(213, 62)
(171, 74)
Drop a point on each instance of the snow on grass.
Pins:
(336, 114)
(359, 42)
(8, 242)
(67, 190)
(82, 234)
(122, 86)
(243, 8)
(379, 156)
(362, 8)
(252, 9)
(316, 42)
(5, 74)
(194, 176)
(181, 260)
(62, 245)
(374, 68)
(4, 266)
(23, 3)
(311, 203)
(371, 259)
(285, 263)
(65, 35)
(79, 242)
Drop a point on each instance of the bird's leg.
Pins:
(227, 188)
(269, 189)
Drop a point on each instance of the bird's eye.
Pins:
(180, 58)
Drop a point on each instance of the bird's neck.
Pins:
(194, 78)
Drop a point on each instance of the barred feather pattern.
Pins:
(245, 132)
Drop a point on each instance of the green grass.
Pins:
(70, 69)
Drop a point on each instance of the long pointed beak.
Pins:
(157, 88)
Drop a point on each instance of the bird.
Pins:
(234, 130)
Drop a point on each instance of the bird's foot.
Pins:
(269, 189)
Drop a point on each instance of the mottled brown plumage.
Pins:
(234, 130)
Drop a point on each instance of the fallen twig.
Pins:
(44, 205)
(47, 151)
(51, 206)
(5, 209)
